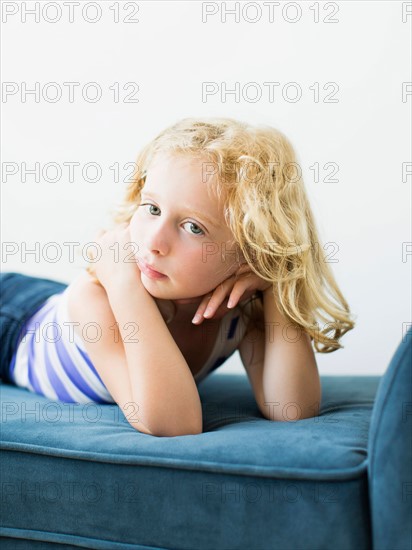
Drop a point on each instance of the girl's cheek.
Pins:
(134, 218)
(134, 232)
(134, 224)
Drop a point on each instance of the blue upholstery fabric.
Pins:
(81, 476)
(390, 451)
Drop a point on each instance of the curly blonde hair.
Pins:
(268, 212)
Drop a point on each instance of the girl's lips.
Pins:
(149, 272)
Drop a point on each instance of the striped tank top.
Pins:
(50, 358)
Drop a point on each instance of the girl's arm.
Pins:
(290, 378)
(280, 361)
(88, 303)
(161, 380)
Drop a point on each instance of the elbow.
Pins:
(275, 418)
(179, 433)
(291, 412)
(175, 433)
(169, 431)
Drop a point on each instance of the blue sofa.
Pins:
(77, 476)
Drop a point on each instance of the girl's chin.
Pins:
(187, 300)
(178, 301)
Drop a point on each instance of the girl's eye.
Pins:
(191, 223)
(151, 205)
(194, 225)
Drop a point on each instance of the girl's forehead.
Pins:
(184, 160)
(203, 173)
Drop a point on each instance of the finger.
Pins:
(198, 317)
(214, 300)
(240, 291)
(218, 297)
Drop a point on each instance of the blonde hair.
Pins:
(268, 212)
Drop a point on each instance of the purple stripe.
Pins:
(58, 387)
(31, 326)
(12, 366)
(73, 374)
(86, 358)
(31, 361)
(40, 314)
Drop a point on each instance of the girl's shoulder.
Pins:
(85, 279)
(84, 296)
(80, 290)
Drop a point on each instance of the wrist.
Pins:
(124, 286)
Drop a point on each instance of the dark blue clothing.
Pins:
(20, 297)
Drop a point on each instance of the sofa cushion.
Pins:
(81, 475)
(390, 452)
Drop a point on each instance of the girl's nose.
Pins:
(158, 242)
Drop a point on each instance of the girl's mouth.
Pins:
(149, 272)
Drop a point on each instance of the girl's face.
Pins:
(180, 231)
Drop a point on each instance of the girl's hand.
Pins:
(243, 284)
(115, 263)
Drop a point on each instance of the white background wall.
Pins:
(169, 53)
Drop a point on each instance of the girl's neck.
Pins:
(178, 310)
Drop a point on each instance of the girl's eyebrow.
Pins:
(194, 212)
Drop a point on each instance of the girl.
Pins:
(214, 248)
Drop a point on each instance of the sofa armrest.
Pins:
(390, 453)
